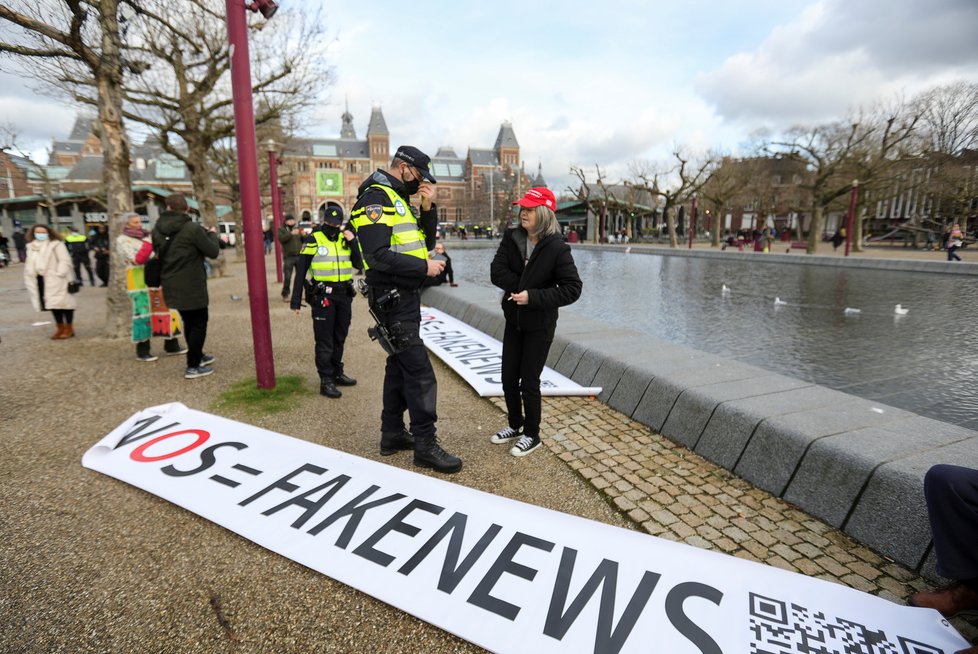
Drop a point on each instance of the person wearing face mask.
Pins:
(536, 271)
(329, 254)
(290, 237)
(395, 241)
(47, 271)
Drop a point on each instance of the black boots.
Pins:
(328, 388)
(428, 454)
(344, 380)
(394, 442)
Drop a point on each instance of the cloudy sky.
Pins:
(606, 82)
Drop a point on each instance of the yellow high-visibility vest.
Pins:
(406, 236)
(330, 259)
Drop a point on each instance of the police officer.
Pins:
(395, 244)
(330, 254)
(78, 247)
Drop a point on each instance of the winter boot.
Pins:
(69, 331)
(328, 388)
(392, 442)
(429, 454)
(59, 334)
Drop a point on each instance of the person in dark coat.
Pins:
(291, 238)
(447, 274)
(181, 244)
(534, 268)
(951, 493)
(99, 244)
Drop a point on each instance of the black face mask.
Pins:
(412, 187)
(331, 231)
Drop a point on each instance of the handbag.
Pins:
(74, 286)
(153, 269)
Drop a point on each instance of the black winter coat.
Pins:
(184, 244)
(550, 277)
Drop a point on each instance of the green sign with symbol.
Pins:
(329, 182)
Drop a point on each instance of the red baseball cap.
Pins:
(538, 197)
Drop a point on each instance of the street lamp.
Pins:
(244, 134)
(276, 206)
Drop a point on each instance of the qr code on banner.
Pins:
(781, 628)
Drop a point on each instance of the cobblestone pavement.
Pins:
(673, 493)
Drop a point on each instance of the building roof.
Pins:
(446, 166)
(506, 137)
(377, 126)
(329, 148)
(67, 147)
(83, 127)
(480, 157)
(87, 169)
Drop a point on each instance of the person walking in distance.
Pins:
(330, 254)
(181, 244)
(395, 241)
(78, 247)
(290, 237)
(534, 268)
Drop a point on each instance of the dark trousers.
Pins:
(195, 331)
(63, 316)
(144, 348)
(288, 266)
(409, 380)
(102, 268)
(952, 253)
(524, 356)
(330, 325)
(952, 506)
(83, 260)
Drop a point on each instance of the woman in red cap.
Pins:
(534, 268)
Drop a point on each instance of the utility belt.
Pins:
(394, 337)
(325, 289)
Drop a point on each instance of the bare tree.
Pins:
(78, 39)
(724, 184)
(674, 182)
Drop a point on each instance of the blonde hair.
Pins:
(546, 223)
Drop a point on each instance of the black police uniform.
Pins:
(409, 380)
(331, 304)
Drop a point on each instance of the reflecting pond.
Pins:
(923, 361)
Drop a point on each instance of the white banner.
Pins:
(477, 357)
(507, 576)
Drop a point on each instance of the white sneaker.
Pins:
(507, 435)
(525, 445)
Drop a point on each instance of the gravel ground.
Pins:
(90, 564)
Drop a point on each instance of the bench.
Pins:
(799, 245)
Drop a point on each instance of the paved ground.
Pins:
(88, 564)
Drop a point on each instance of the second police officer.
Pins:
(329, 254)
(395, 245)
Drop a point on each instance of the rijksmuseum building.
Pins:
(475, 190)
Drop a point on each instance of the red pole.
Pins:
(244, 134)
(276, 210)
(852, 213)
(692, 223)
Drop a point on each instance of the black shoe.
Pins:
(344, 380)
(392, 442)
(328, 388)
(429, 454)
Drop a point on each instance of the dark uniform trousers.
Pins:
(330, 326)
(409, 380)
(524, 357)
(952, 506)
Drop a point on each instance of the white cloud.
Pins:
(838, 54)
